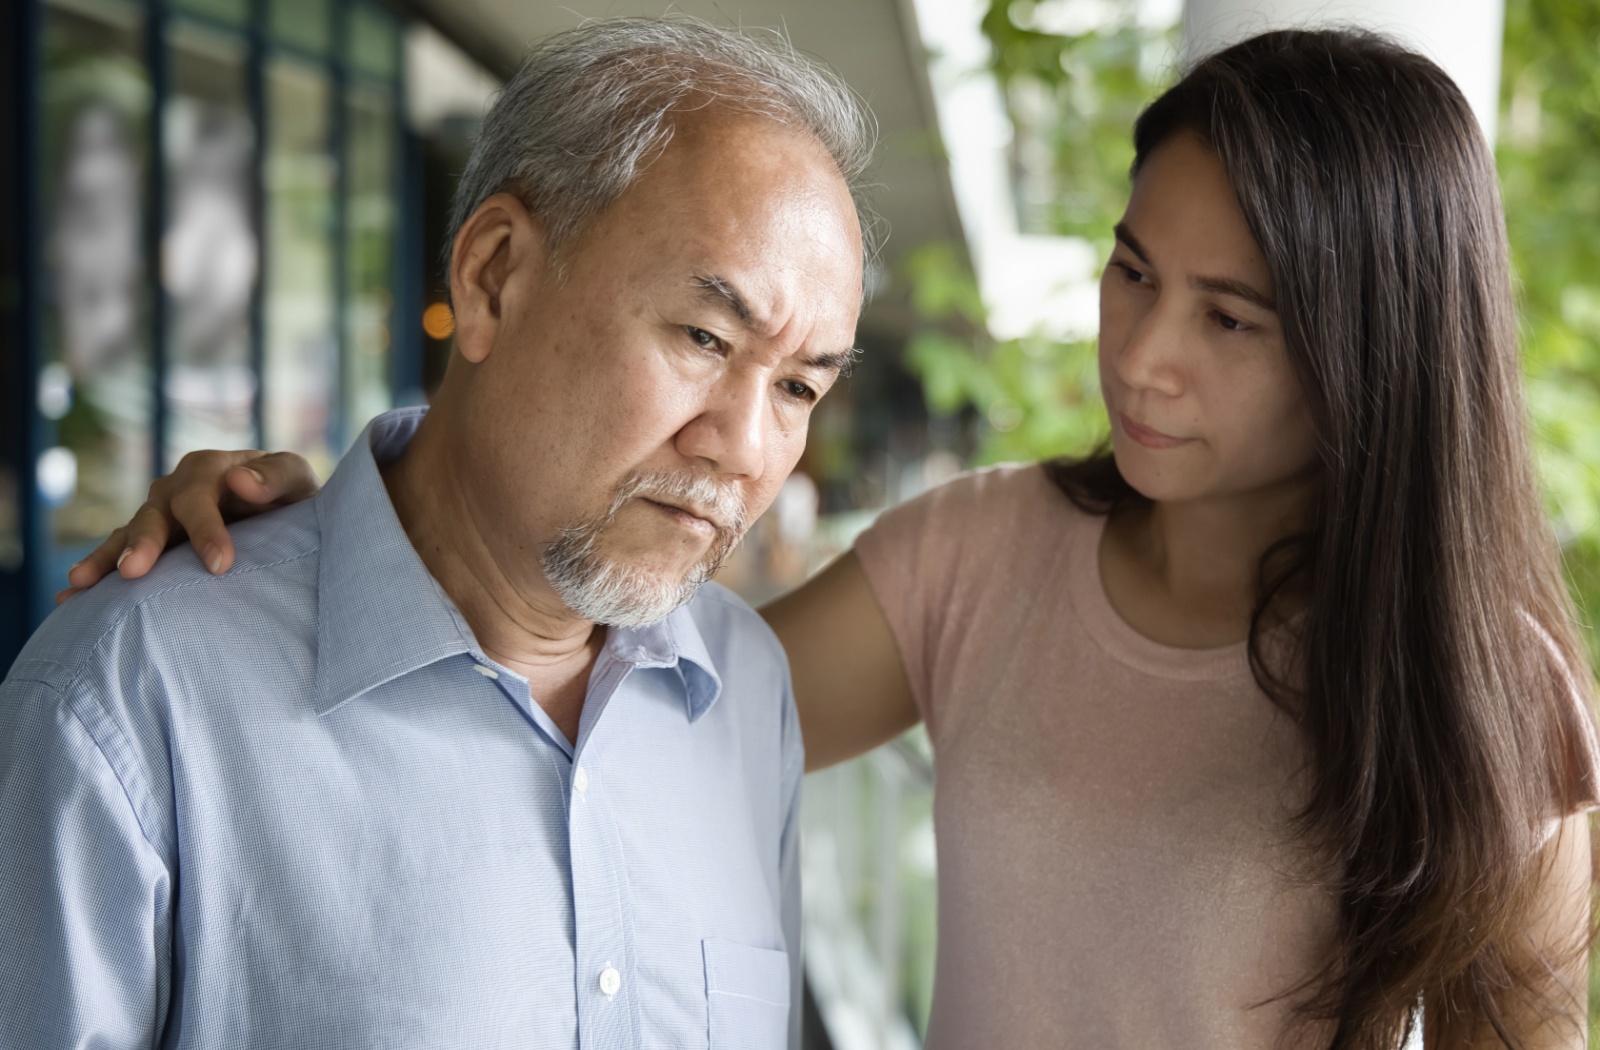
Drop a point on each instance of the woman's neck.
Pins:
(1189, 574)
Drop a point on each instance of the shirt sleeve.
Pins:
(85, 899)
(794, 764)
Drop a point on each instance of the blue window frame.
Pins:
(205, 243)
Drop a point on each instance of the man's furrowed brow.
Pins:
(842, 361)
(720, 292)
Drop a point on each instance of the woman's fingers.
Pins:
(272, 480)
(205, 491)
(196, 509)
(96, 565)
(149, 532)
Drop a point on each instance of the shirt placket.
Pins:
(607, 981)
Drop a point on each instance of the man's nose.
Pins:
(729, 434)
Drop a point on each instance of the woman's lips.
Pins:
(1147, 436)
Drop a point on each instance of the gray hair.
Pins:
(571, 130)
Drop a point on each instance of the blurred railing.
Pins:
(870, 896)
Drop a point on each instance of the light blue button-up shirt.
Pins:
(297, 806)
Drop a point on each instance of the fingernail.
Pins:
(125, 552)
(213, 558)
(254, 473)
(74, 566)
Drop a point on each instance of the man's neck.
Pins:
(514, 614)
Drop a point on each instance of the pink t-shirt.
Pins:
(1116, 866)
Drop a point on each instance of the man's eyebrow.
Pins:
(720, 291)
(840, 361)
(1215, 285)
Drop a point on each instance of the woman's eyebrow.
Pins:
(1238, 289)
(1125, 235)
(1215, 285)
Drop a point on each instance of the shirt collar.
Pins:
(381, 615)
(674, 642)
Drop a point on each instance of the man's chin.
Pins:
(619, 593)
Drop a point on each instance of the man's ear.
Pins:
(500, 245)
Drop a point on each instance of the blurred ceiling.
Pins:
(873, 44)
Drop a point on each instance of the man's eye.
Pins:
(702, 338)
(798, 390)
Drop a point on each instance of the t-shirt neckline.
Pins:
(1119, 639)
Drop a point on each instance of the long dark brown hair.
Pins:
(1436, 676)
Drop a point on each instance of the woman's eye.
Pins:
(1129, 274)
(1230, 324)
(702, 338)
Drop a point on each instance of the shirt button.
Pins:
(580, 783)
(487, 672)
(610, 981)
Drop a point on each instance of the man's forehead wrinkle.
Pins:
(840, 361)
(720, 290)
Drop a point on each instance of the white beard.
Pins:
(620, 595)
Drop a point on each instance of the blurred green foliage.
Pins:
(1073, 92)
(1036, 397)
(1549, 159)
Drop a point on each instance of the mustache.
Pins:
(700, 494)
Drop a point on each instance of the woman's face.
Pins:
(1202, 398)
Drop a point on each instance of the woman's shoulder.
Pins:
(999, 492)
(996, 512)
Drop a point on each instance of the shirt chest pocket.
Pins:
(747, 996)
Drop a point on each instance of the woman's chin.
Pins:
(1157, 482)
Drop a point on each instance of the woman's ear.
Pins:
(501, 246)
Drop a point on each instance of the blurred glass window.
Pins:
(94, 376)
(301, 362)
(370, 250)
(233, 12)
(372, 45)
(209, 250)
(304, 24)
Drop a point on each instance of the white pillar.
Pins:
(1463, 36)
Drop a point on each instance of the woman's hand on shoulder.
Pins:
(207, 490)
(850, 685)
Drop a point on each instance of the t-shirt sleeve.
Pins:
(1576, 784)
(1579, 779)
(916, 558)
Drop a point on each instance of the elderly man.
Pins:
(462, 753)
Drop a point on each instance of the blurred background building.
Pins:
(220, 222)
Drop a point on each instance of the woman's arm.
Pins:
(1553, 1017)
(849, 682)
(850, 685)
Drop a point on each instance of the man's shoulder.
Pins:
(753, 668)
(727, 621)
(179, 602)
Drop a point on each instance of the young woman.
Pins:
(1269, 724)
